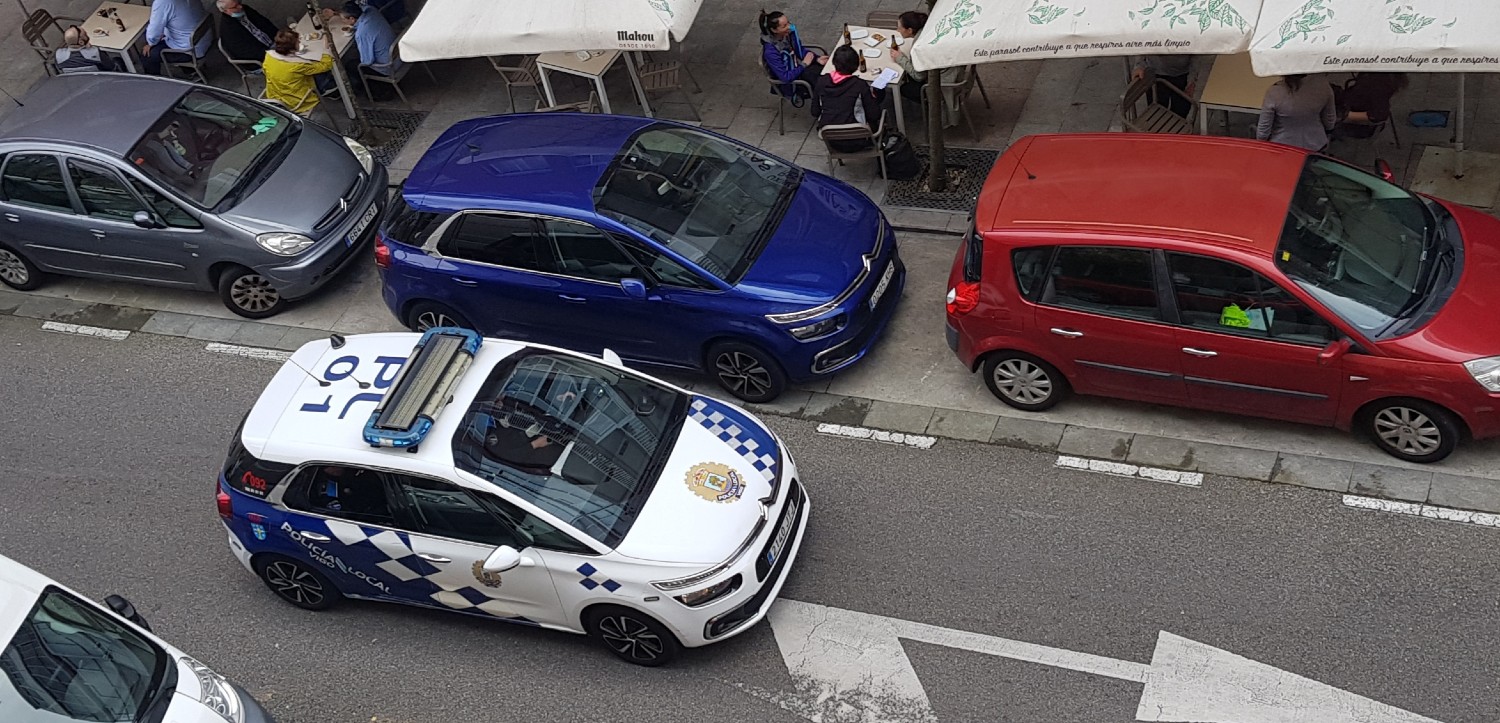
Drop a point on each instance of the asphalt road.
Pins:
(108, 452)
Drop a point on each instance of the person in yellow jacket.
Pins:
(291, 78)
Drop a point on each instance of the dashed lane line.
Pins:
(1121, 469)
(918, 441)
(1417, 509)
(251, 352)
(81, 330)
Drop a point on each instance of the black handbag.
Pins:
(901, 162)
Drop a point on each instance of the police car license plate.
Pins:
(361, 224)
(783, 534)
(885, 280)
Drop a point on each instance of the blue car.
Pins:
(665, 243)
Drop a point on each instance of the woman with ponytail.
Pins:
(786, 57)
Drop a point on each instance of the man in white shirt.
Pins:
(171, 29)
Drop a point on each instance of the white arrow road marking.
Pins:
(849, 667)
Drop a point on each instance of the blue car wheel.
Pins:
(746, 372)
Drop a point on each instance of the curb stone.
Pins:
(1320, 473)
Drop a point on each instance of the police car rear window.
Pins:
(245, 473)
(581, 440)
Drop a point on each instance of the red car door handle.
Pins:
(1200, 352)
(465, 282)
(1066, 332)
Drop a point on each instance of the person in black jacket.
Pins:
(246, 34)
(842, 97)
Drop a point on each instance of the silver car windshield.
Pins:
(207, 144)
(1355, 242)
(581, 440)
(711, 201)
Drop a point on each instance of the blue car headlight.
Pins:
(823, 327)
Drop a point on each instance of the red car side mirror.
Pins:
(1333, 351)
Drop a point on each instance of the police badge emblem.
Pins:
(715, 482)
(485, 577)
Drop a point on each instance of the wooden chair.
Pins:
(799, 86)
(399, 71)
(883, 19)
(854, 132)
(583, 106)
(1140, 112)
(663, 76)
(521, 75)
(188, 59)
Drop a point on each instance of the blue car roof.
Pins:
(541, 159)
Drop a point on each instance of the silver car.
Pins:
(164, 182)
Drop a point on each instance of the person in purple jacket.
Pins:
(785, 55)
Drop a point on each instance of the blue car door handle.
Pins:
(464, 282)
(574, 299)
(315, 537)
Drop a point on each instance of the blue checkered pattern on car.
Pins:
(588, 581)
(748, 439)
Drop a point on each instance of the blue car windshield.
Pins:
(713, 201)
(581, 440)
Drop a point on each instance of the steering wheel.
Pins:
(641, 175)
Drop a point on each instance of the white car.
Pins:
(512, 481)
(66, 658)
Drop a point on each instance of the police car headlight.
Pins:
(282, 243)
(366, 160)
(710, 593)
(218, 695)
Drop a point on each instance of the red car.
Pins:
(1234, 276)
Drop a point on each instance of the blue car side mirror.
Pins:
(634, 288)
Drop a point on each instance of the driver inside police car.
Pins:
(352, 491)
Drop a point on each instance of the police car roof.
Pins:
(297, 419)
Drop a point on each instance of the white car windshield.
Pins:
(714, 202)
(581, 440)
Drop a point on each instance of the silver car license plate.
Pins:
(785, 533)
(361, 224)
(885, 280)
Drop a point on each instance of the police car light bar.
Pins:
(423, 387)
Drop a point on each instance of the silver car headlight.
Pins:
(283, 243)
(218, 695)
(366, 159)
(1486, 371)
(709, 594)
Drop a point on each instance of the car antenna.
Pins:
(338, 341)
(310, 375)
(1029, 175)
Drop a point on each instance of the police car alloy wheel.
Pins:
(298, 584)
(249, 294)
(17, 272)
(634, 637)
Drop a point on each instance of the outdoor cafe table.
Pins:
(881, 60)
(593, 67)
(342, 38)
(1233, 88)
(105, 35)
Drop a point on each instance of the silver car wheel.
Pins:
(254, 293)
(1023, 381)
(430, 319)
(294, 583)
(13, 269)
(1408, 430)
(630, 638)
(742, 373)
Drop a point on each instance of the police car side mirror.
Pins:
(505, 558)
(124, 609)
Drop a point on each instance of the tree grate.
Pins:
(396, 126)
(967, 168)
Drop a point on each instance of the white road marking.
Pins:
(879, 435)
(81, 330)
(251, 352)
(1121, 469)
(1418, 509)
(850, 666)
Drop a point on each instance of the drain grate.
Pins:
(967, 168)
(396, 127)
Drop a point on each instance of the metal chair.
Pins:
(188, 59)
(799, 87)
(245, 68)
(663, 76)
(398, 72)
(883, 19)
(854, 132)
(1142, 112)
(522, 75)
(34, 32)
(583, 106)
(956, 97)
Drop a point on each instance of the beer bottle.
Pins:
(862, 67)
(847, 39)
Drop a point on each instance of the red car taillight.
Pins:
(226, 506)
(382, 252)
(963, 298)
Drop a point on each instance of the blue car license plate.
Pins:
(885, 280)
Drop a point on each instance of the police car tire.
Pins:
(17, 272)
(255, 288)
(629, 633)
(275, 570)
(746, 372)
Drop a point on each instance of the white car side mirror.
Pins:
(505, 558)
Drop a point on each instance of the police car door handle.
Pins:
(433, 558)
(315, 537)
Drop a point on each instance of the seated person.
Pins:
(842, 97)
(245, 33)
(522, 441)
(1365, 101)
(290, 78)
(355, 493)
(79, 55)
(785, 55)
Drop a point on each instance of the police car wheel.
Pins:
(16, 272)
(427, 315)
(746, 372)
(633, 637)
(249, 294)
(297, 583)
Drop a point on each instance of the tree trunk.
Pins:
(937, 173)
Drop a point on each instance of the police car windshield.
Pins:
(578, 439)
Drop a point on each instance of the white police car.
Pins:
(523, 483)
(65, 658)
